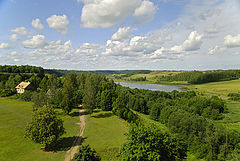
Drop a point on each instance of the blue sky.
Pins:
(121, 34)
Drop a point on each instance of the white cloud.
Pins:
(60, 23)
(14, 37)
(232, 41)
(54, 54)
(14, 53)
(54, 48)
(146, 8)
(145, 12)
(37, 24)
(4, 46)
(214, 50)
(20, 31)
(229, 43)
(37, 41)
(122, 34)
(193, 42)
(107, 13)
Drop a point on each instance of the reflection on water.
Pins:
(153, 87)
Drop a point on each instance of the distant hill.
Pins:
(60, 72)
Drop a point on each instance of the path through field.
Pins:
(70, 153)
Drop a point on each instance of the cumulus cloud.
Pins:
(20, 31)
(214, 49)
(4, 46)
(193, 42)
(105, 13)
(37, 24)
(54, 54)
(14, 37)
(145, 12)
(60, 23)
(122, 34)
(229, 43)
(89, 49)
(232, 41)
(37, 41)
(54, 48)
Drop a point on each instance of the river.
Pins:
(153, 87)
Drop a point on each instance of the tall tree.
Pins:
(45, 127)
(69, 86)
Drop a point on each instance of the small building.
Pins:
(24, 86)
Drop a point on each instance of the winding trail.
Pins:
(70, 153)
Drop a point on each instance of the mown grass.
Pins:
(217, 88)
(14, 116)
(105, 133)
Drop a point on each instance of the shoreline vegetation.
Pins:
(201, 123)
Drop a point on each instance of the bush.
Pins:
(27, 96)
(45, 127)
(149, 143)
(7, 92)
(85, 153)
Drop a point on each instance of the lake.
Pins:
(153, 87)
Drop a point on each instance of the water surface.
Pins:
(153, 87)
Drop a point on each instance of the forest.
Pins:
(189, 117)
(198, 77)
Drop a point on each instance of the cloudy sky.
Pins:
(121, 34)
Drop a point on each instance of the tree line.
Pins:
(198, 77)
(21, 69)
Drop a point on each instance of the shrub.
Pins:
(85, 153)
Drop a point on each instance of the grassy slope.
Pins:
(105, 133)
(14, 116)
(151, 77)
(218, 88)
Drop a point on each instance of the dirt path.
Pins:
(70, 153)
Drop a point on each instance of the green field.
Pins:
(152, 77)
(14, 116)
(217, 88)
(105, 133)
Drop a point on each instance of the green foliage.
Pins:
(92, 86)
(69, 86)
(6, 92)
(106, 95)
(85, 153)
(149, 143)
(198, 77)
(139, 79)
(27, 96)
(45, 127)
(234, 96)
(21, 69)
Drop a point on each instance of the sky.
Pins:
(121, 34)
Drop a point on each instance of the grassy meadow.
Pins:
(151, 77)
(14, 116)
(105, 133)
(221, 89)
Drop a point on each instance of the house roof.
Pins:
(23, 85)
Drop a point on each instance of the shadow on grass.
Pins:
(74, 114)
(102, 115)
(65, 143)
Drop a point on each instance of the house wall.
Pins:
(19, 90)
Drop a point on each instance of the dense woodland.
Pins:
(198, 77)
(189, 117)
